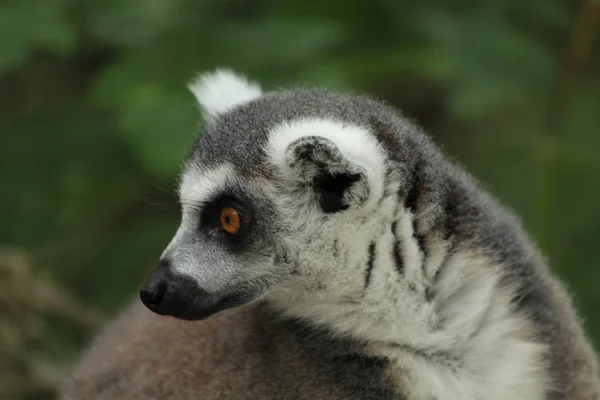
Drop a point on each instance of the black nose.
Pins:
(167, 292)
(153, 292)
(153, 296)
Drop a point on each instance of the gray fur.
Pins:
(280, 345)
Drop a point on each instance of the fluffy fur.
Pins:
(372, 268)
(222, 90)
(355, 144)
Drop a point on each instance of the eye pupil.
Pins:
(230, 220)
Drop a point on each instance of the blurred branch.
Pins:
(576, 55)
(19, 287)
(25, 298)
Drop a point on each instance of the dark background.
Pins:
(95, 118)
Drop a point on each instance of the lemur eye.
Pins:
(230, 220)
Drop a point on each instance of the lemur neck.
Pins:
(434, 307)
(398, 289)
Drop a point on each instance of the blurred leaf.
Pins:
(130, 22)
(157, 122)
(492, 61)
(29, 25)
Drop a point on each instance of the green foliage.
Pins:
(32, 24)
(95, 118)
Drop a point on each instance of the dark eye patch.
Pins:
(210, 219)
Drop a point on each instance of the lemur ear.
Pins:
(337, 183)
(222, 90)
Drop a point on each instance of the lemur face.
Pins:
(268, 192)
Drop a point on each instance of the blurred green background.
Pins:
(95, 119)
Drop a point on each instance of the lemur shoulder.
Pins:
(328, 250)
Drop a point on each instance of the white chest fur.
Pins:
(464, 343)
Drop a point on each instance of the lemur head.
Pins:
(279, 194)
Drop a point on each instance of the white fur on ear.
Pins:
(222, 90)
(355, 143)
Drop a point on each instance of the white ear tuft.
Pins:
(222, 90)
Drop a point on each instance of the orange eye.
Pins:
(230, 220)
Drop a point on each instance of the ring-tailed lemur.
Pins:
(369, 267)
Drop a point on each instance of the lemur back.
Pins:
(357, 263)
(239, 354)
